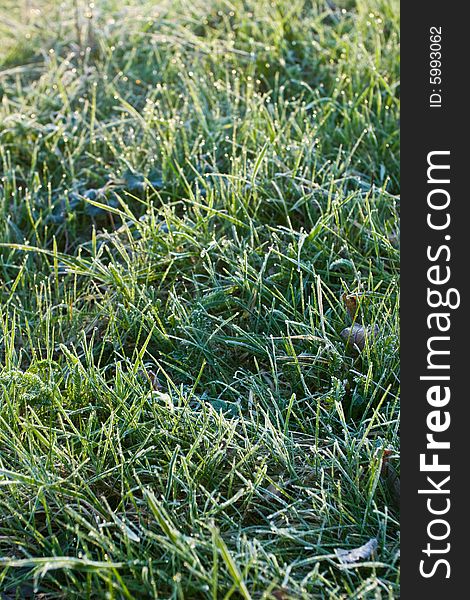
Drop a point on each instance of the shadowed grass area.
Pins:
(188, 189)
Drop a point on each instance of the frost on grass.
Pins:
(182, 205)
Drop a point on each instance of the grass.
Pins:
(187, 191)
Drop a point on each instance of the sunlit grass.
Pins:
(187, 191)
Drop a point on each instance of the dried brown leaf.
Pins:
(351, 304)
(356, 555)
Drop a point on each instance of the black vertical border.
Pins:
(424, 129)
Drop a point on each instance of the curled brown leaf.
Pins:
(351, 304)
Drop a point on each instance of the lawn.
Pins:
(196, 199)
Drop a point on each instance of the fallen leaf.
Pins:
(156, 385)
(348, 557)
(164, 398)
(350, 301)
(356, 335)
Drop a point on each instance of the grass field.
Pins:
(188, 189)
